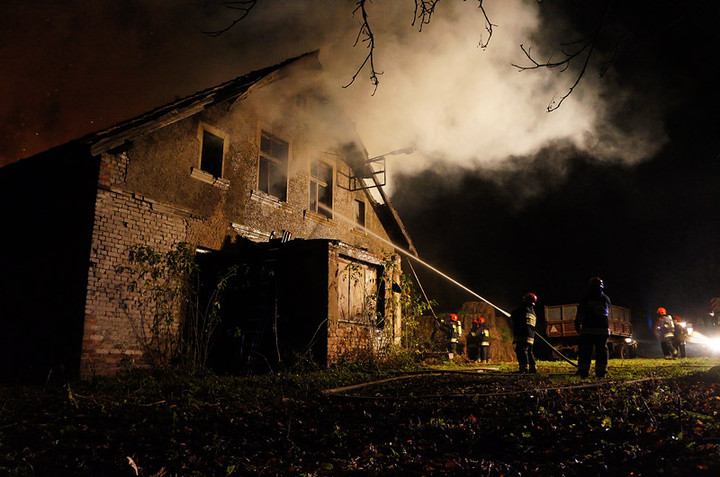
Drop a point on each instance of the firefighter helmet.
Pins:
(530, 298)
(662, 311)
(453, 317)
(596, 282)
(480, 320)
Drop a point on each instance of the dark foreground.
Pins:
(649, 417)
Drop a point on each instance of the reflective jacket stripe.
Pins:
(531, 319)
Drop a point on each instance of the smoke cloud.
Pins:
(465, 105)
(75, 68)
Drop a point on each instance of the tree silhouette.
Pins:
(603, 27)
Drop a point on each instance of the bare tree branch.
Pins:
(586, 48)
(366, 35)
(244, 6)
(582, 51)
(579, 49)
(423, 12)
(488, 25)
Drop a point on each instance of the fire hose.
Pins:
(555, 350)
(565, 358)
(455, 282)
(413, 256)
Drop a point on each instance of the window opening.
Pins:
(358, 293)
(211, 159)
(273, 166)
(360, 212)
(321, 188)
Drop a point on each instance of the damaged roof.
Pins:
(172, 112)
(237, 88)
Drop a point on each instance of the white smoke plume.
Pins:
(453, 100)
(79, 68)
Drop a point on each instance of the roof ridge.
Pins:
(211, 95)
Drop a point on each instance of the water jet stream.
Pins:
(410, 255)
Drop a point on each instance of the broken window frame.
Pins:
(273, 160)
(322, 183)
(213, 166)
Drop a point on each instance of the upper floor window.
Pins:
(273, 166)
(212, 153)
(360, 212)
(321, 188)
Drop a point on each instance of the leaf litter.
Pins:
(441, 422)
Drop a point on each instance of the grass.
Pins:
(494, 423)
(635, 368)
(169, 386)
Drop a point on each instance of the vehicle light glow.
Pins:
(710, 342)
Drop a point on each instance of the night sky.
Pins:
(548, 221)
(621, 181)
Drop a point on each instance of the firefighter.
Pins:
(665, 330)
(523, 320)
(472, 341)
(454, 331)
(679, 337)
(484, 340)
(592, 322)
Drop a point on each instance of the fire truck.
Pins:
(561, 334)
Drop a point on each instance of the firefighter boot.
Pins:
(601, 365)
(583, 372)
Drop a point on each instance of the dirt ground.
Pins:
(649, 417)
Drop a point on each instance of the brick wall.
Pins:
(357, 341)
(150, 195)
(122, 219)
(354, 339)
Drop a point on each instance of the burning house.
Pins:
(263, 171)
